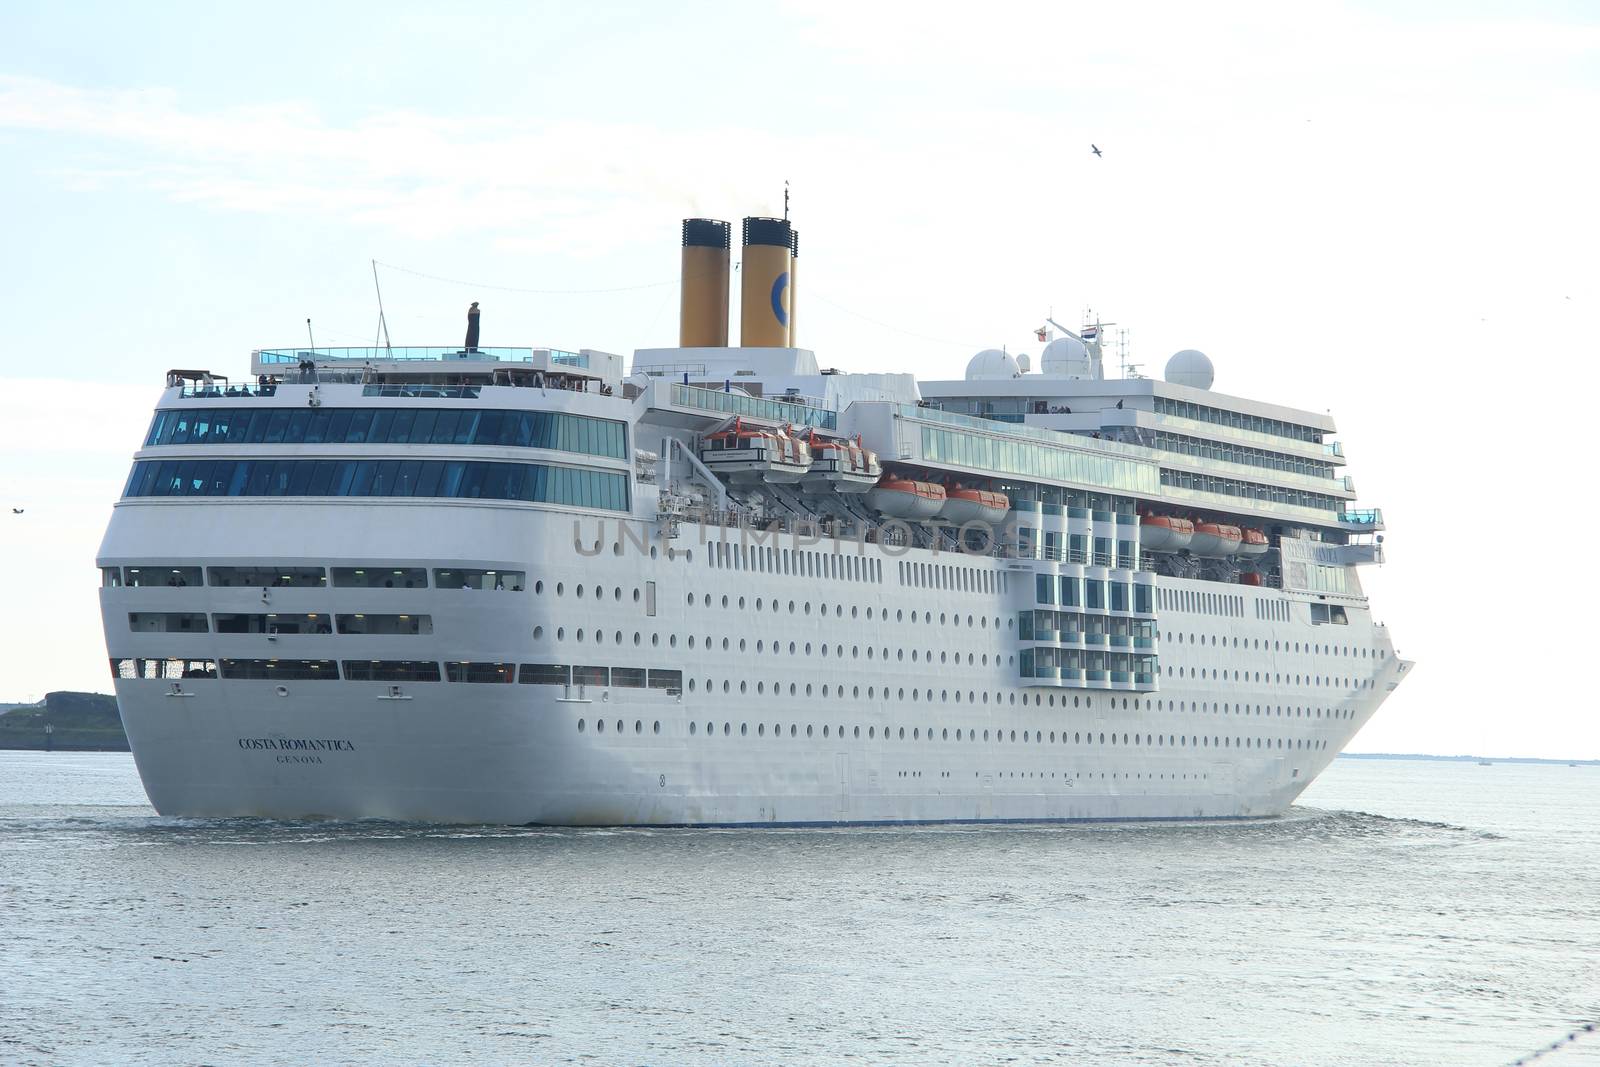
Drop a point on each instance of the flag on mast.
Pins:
(1042, 333)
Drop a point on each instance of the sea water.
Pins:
(1404, 913)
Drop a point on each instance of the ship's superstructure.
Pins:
(515, 585)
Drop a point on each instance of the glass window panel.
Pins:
(428, 479)
(339, 426)
(400, 431)
(360, 423)
(444, 428)
(317, 427)
(544, 674)
(277, 424)
(295, 433)
(421, 431)
(361, 483)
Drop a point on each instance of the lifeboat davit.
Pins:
(964, 505)
(753, 453)
(1252, 543)
(1164, 533)
(841, 464)
(1214, 540)
(902, 498)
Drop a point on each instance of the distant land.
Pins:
(1467, 759)
(79, 722)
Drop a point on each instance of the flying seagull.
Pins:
(16, 511)
(1095, 149)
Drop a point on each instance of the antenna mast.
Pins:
(786, 200)
(383, 326)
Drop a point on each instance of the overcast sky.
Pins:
(1386, 211)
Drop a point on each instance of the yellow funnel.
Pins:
(764, 289)
(703, 301)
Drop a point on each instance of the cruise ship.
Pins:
(731, 585)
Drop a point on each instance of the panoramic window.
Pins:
(266, 576)
(450, 479)
(390, 670)
(385, 624)
(480, 672)
(273, 623)
(281, 670)
(544, 674)
(417, 426)
(471, 578)
(380, 577)
(159, 622)
(147, 574)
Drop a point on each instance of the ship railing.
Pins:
(792, 410)
(417, 353)
(219, 392)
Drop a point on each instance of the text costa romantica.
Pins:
(298, 744)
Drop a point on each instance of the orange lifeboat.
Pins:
(1164, 533)
(1215, 540)
(1252, 543)
(964, 505)
(1249, 578)
(902, 498)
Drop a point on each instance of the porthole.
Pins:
(580, 726)
(538, 632)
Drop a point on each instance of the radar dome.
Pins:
(992, 363)
(1192, 368)
(1065, 355)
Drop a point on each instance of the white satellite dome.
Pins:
(1065, 355)
(992, 363)
(1190, 367)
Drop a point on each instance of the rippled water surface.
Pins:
(1406, 913)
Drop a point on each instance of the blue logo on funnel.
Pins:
(778, 286)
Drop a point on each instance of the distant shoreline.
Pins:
(1468, 759)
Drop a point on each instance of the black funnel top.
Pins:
(706, 233)
(774, 232)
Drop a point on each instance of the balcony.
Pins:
(1364, 520)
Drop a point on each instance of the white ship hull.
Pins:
(760, 734)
